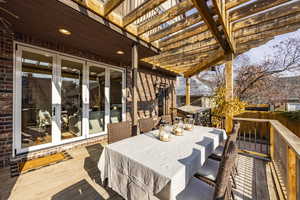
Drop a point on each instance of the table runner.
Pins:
(142, 166)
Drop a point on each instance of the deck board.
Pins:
(252, 179)
(79, 179)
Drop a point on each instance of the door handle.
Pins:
(54, 111)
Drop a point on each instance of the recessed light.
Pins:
(120, 52)
(64, 31)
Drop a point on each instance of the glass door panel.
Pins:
(116, 96)
(71, 99)
(96, 100)
(36, 99)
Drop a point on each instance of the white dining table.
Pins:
(143, 167)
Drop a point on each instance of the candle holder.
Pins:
(178, 127)
(164, 135)
(189, 124)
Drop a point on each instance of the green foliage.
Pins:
(223, 107)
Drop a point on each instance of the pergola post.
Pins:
(229, 91)
(187, 91)
(134, 88)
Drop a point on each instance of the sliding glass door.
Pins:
(116, 96)
(97, 100)
(60, 99)
(35, 121)
(71, 92)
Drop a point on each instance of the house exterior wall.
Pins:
(148, 83)
(147, 89)
(6, 96)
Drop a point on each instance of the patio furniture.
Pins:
(211, 168)
(118, 131)
(201, 115)
(221, 189)
(143, 166)
(167, 118)
(220, 150)
(146, 125)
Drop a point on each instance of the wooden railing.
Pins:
(270, 139)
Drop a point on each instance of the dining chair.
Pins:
(119, 131)
(221, 189)
(220, 150)
(167, 118)
(211, 167)
(146, 125)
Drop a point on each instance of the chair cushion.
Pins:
(219, 151)
(210, 169)
(195, 190)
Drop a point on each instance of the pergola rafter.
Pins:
(212, 25)
(193, 43)
(169, 14)
(110, 5)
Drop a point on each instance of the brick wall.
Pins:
(147, 78)
(6, 96)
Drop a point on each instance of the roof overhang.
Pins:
(89, 32)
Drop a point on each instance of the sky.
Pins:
(257, 54)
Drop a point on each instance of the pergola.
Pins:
(213, 33)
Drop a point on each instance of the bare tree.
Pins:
(259, 83)
(258, 80)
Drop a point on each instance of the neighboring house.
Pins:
(289, 99)
(65, 75)
(290, 106)
(200, 93)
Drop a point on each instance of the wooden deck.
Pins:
(78, 178)
(252, 180)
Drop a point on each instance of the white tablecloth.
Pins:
(142, 166)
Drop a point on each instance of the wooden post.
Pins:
(272, 134)
(134, 110)
(187, 91)
(229, 91)
(292, 174)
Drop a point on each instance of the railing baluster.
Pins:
(261, 141)
(249, 140)
(239, 139)
(244, 140)
(255, 140)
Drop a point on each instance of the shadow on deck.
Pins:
(79, 178)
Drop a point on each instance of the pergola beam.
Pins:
(177, 26)
(189, 41)
(211, 61)
(268, 26)
(141, 10)
(189, 50)
(188, 21)
(201, 40)
(236, 14)
(110, 5)
(272, 15)
(253, 8)
(189, 32)
(226, 26)
(234, 3)
(171, 13)
(207, 17)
